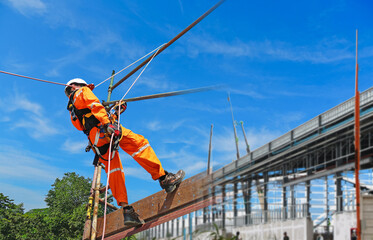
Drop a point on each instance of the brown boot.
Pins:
(170, 181)
(131, 218)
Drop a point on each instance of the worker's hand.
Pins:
(113, 129)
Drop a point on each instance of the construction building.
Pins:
(302, 183)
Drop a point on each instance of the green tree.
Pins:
(63, 219)
(36, 225)
(66, 201)
(11, 218)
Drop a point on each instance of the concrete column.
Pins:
(284, 202)
(177, 226)
(247, 198)
(184, 228)
(265, 192)
(292, 197)
(308, 185)
(326, 204)
(308, 198)
(168, 229)
(235, 204)
(223, 208)
(163, 230)
(205, 212)
(339, 192)
(190, 227)
(159, 231)
(213, 208)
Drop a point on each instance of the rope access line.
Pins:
(130, 65)
(62, 84)
(36, 79)
(155, 54)
(112, 137)
(107, 184)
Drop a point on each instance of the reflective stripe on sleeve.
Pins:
(140, 150)
(95, 103)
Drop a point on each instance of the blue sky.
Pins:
(283, 62)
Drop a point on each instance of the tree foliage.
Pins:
(11, 218)
(63, 219)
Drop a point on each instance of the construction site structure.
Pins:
(301, 183)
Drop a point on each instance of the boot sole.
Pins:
(133, 224)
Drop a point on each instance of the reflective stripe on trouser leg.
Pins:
(117, 179)
(138, 147)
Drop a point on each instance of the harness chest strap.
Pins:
(85, 116)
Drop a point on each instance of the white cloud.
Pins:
(157, 83)
(137, 172)
(33, 120)
(98, 42)
(181, 7)
(31, 199)
(157, 125)
(248, 92)
(326, 51)
(258, 137)
(182, 158)
(37, 127)
(20, 102)
(28, 7)
(25, 166)
(5, 119)
(74, 146)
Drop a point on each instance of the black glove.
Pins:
(112, 128)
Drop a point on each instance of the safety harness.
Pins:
(89, 121)
(85, 116)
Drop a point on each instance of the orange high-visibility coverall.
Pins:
(133, 144)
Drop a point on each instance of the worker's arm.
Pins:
(92, 102)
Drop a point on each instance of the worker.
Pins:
(89, 115)
(286, 237)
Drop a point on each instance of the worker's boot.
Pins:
(131, 218)
(170, 181)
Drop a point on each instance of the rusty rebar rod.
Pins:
(168, 44)
(161, 95)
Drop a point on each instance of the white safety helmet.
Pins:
(75, 80)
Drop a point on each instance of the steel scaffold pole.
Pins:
(357, 146)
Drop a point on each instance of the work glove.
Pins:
(112, 128)
(114, 111)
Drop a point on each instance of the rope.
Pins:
(107, 184)
(41, 80)
(111, 140)
(36, 79)
(155, 54)
(130, 65)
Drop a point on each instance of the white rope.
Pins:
(112, 136)
(107, 184)
(156, 49)
(134, 84)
